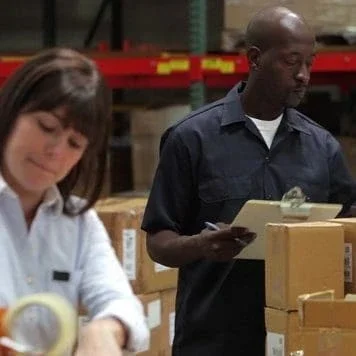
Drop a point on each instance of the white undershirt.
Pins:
(267, 128)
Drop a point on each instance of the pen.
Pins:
(211, 226)
(215, 227)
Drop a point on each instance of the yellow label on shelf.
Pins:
(183, 65)
(219, 64)
(163, 68)
(180, 65)
(174, 65)
(227, 67)
(211, 63)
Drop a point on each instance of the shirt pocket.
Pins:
(221, 198)
(69, 289)
(315, 193)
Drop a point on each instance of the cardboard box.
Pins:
(153, 310)
(286, 337)
(152, 305)
(147, 127)
(168, 319)
(282, 331)
(237, 13)
(328, 314)
(324, 16)
(303, 258)
(328, 327)
(349, 225)
(122, 219)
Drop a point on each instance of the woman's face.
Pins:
(40, 152)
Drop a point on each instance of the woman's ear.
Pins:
(253, 57)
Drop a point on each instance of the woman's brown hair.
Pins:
(65, 78)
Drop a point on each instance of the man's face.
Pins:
(285, 71)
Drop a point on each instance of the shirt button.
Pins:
(29, 280)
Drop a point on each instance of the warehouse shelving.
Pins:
(216, 71)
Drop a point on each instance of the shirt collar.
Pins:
(52, 199)
(232, 110)
(234, 113)
(296, 121)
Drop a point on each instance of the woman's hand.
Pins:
(103, 337)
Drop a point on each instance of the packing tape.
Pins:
(63, 311)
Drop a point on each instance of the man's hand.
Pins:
(104, 337)
(224, 244)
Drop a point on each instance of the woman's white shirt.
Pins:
(76, 248)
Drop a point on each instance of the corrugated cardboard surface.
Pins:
(337, 313)
(156, 121)
(122, 219)
(327, 342)
(168, 318)
(146, 127)
(329, 327)
(238, 13)
(282, 331)
(154, 320)
(349, 225)
(303, 258)
(284, 335)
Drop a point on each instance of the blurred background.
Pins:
(163, 57)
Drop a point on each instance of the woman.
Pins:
(54, 126)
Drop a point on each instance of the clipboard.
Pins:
(256, 214)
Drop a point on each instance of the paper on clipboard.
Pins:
(255, 214)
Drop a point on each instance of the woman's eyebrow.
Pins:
(60, 117)
(57, 116)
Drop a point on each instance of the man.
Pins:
(251, 144)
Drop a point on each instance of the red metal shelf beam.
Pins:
(217, 71)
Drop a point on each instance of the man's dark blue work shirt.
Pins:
(211, 163)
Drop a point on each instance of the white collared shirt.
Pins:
(77, 247)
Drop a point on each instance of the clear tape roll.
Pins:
(63, 311)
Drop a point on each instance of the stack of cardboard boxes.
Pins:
(146, 129)
(326, 17)
(349, 226)
(309, 269)
(306, 267)
(323, 15)
(154, 284)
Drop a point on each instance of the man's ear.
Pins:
(253, 57)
